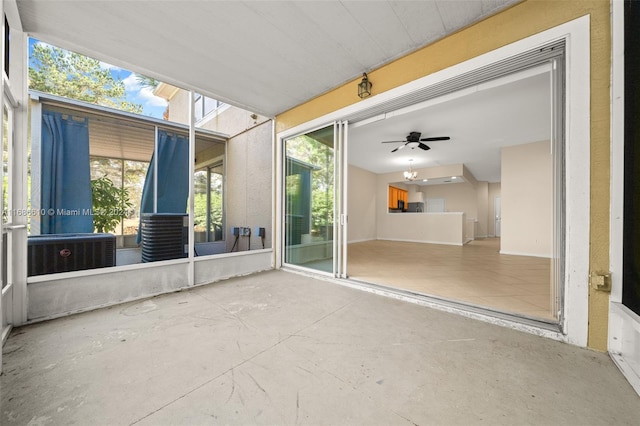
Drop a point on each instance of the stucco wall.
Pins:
(227, 119)
(249, 188)
(516, 23)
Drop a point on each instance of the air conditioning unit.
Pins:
(164, 236)
(54, 253)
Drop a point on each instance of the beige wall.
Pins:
(459, 197)
(494, 191)
(527, 200)
(482, 192)
(362, 205)
(515, 23)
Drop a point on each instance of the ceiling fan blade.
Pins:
(400, 147)
(392, 141)
(423, 146)
(436, 138)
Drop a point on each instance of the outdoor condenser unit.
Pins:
(164, 236)
(54, 253)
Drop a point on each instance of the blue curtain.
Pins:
(173, 176)
(65, 175)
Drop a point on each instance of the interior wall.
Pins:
(482, 191)
(459, 197)
(362, 205)
(527, 198)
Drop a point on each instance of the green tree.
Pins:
(71, 75)
(110, 204)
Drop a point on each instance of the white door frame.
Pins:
(497, 216)
(576, 33)
(624, 324)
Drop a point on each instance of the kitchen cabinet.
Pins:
(396, 194)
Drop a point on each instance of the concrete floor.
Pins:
(279, 348)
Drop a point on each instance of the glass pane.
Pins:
(200, 206)
(309, 197)
(106, 173)
(5, 164)
(5, 194)
(134, 176)
(216, 224)
(208, 218)
(209, 105)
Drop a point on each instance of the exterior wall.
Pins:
(362, 204)
(227, 119)
(527, 200)
(249, 187)
(518, 22)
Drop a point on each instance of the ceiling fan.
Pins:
(413, 141)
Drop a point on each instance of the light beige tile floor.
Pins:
(475, 273)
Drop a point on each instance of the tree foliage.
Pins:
(110, 204)
(318, 154)
(71, 75)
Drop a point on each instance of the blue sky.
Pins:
(152, 105)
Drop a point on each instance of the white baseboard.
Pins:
(513, 253)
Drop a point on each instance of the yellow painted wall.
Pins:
(518, 22)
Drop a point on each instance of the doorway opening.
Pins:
(489, 231)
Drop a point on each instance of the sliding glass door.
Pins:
(313, 207)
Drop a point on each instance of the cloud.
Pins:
(146, 93)
(138, 93)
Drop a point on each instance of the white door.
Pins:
(314, 196)
(624, 306)
(497, 215)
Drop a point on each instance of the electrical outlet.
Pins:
(245, 231)
(261, 232)
(235, 231)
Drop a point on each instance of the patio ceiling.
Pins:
(263, 56)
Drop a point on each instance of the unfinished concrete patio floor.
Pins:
(279, 348)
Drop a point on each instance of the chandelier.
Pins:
(410, 174)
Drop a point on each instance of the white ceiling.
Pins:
(269, 56)
(264, 56)
(480, 120)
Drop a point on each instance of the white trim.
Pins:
(517, 253)
(577, 144)
(624, 325)
(617, 151)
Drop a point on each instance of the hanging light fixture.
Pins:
(364, 87)
(410, 174)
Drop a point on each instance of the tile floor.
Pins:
(474, 273)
